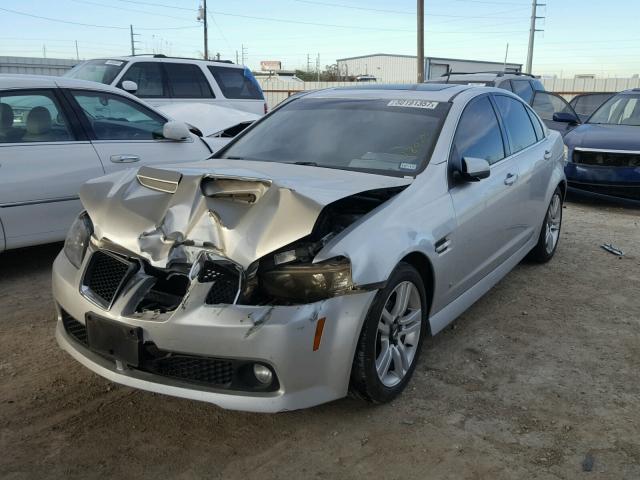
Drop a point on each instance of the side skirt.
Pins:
(452, 311)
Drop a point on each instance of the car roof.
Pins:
(17, 80)
(438, 92)
(631, 91)
(149, 57)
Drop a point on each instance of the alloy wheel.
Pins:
(398, 333)
(552, 225)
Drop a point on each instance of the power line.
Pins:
(401, 12)
(69, 22)
(131, 10)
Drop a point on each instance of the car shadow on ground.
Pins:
(597, 200)
(23, 262)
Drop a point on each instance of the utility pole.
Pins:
(202, 16)
(236, 56)
(133, 40)
(506, 54)
(244, 53)
(532, 32)
(77, 54)
(421, 41)
(318, 66)
(308, 63)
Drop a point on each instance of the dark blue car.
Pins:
(604, 153)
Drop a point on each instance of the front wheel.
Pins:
(550, 232)
(391, 337)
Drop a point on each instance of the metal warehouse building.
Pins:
(388, 68)
(36, 66)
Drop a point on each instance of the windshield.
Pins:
(101, 71)
(392, 137)
(619, 110)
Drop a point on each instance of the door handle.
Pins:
(511, 178)
(547, 154)
(124, 158)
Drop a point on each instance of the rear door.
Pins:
(485, 235)
(44, 159)
(239, 88)
(545, 104)
(531, 152)
(126, 133)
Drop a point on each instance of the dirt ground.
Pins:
(539, 380)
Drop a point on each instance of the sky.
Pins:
(580, 36)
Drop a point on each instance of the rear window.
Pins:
(101, 71)
(237, 83)
(187, 81)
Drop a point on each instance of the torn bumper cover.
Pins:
(280, 337)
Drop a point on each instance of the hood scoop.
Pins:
(159, 180)
(236, 189)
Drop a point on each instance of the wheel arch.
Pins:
(422, 264)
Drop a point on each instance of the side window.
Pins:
(32, 116)
(546, 104)
(187, 81)
(117, 118)
(236, 83)
(506, 85)
(148, 76)
(523, 89)
(537, 126)
(517, 123)
(537, 85)
(478, 133)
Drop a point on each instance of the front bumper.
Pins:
(613, 181)
(280, 336)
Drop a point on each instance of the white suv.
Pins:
(161, 80)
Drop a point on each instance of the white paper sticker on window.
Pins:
(408, 166)
(413, 104)
(113, 62)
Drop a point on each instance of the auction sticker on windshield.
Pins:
(413, 104)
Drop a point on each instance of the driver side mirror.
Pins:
(129, 86)
(177, 131)
(473, 169)
(565, 117)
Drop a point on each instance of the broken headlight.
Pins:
(308, 282)
(77, 241)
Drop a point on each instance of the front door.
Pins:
(43, 163)
(485, 234)
(128, 134)
(545, 104)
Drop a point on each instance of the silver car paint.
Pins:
(465, 215)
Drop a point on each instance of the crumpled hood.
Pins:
(251, 208)
(615, 137)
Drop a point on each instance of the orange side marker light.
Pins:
(318, 335)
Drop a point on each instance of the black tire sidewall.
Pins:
(368, 379)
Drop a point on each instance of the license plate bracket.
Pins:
(114, 339)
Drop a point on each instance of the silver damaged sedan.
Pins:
(312, 255)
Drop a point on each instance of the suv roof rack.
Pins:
(162, 55)
(499, 73)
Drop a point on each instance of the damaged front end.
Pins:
(229, 238)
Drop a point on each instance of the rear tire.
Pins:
(550, 231)
(391, 337)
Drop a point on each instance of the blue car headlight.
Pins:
(77, 241)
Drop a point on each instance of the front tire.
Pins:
(550, 232)
(391, 337)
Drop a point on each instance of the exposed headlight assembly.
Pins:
(77, 241)
(308, 282)
(566, 154)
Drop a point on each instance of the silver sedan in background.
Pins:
(314, 253)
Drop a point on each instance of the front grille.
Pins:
(606, 159)
(210, 371)
(74, 328)
(105, 275)
(224, 283)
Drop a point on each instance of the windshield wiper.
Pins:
(311, 164)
